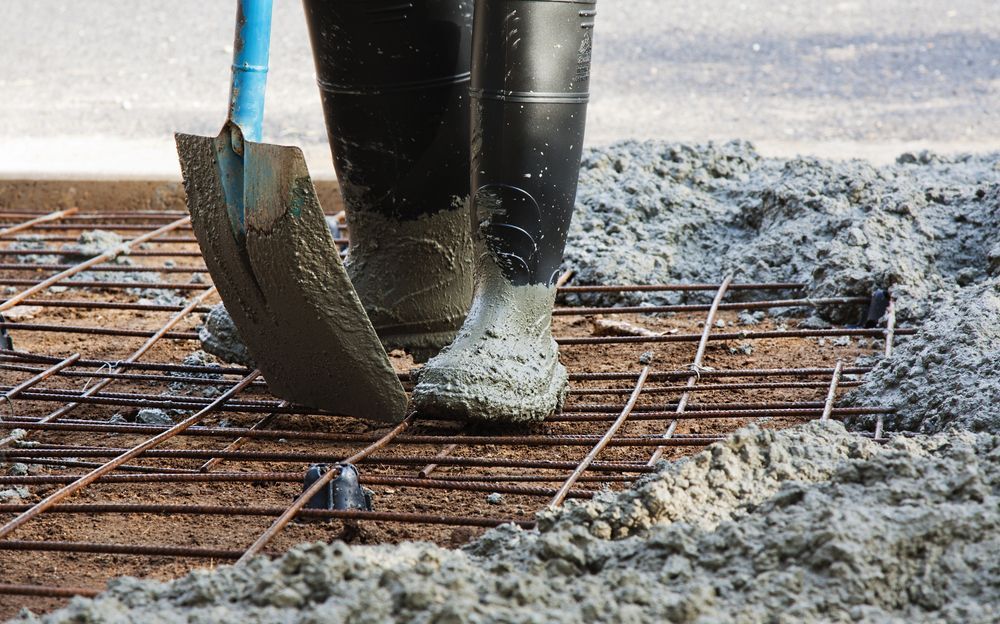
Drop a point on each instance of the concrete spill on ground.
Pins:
(948, 374)
(220, 337)
(808, 524)
(651, 212)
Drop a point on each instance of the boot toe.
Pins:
(468, 386)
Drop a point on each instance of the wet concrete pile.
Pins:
(808, 524)
(651, 212)
(947, 375)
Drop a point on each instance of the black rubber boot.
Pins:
(530, 80)
(394, 79)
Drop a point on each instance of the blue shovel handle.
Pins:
(249, 79)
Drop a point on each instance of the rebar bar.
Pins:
(52, 216)
(86, 264)
(135, 451)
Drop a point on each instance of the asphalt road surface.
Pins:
(97, 87)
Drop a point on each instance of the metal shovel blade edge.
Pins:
(285, 285)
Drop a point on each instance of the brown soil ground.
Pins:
(237, 532)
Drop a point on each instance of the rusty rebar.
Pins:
(591, 456)
(52, 216)
(831, 394)
(605, 288)
(135, 451)
(222, 510)
(138, 353)
(167, 476)
(296, 507)
(702, 307)
(336, 458)
(743, 335)
(17, 390)
(47, 591)
(696, 366)
(86, 264)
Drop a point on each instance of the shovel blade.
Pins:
(285, 285)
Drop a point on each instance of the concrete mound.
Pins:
(653, 211)
(947, 375)
(807, 525)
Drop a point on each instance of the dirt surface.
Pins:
(809, 524)
(236, 532)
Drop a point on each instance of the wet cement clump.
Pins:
(92, 243)
(219, 336)
(187, 384)
(655, 212)
(809, 524)
(947, 375)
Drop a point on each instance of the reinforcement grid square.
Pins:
(128, 452)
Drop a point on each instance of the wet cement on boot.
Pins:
(947, 375)
(413, 277)
(808, 524)
(503, 365)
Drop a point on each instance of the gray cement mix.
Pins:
(653, 212)
(504, 364)
(947, 375)
(92, 243)
(219, 336)
(809, 524)
(413, 277)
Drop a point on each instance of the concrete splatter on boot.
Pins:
(530, 81)
(413, 277)
(504, 364)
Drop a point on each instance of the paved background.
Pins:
(97, 87)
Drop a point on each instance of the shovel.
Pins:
(272, 257)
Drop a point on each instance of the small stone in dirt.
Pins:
(21, 313)
(744, 349)
(118, 419)
(747, 317)
(842, 341)
(91, 243)
(197, 358)
(14, 493)
(153, 416)
(18, 470)
(495, 498)
(815, 322)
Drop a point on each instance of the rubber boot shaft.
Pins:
(393, 79)
(530, 87)
(530, 78)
